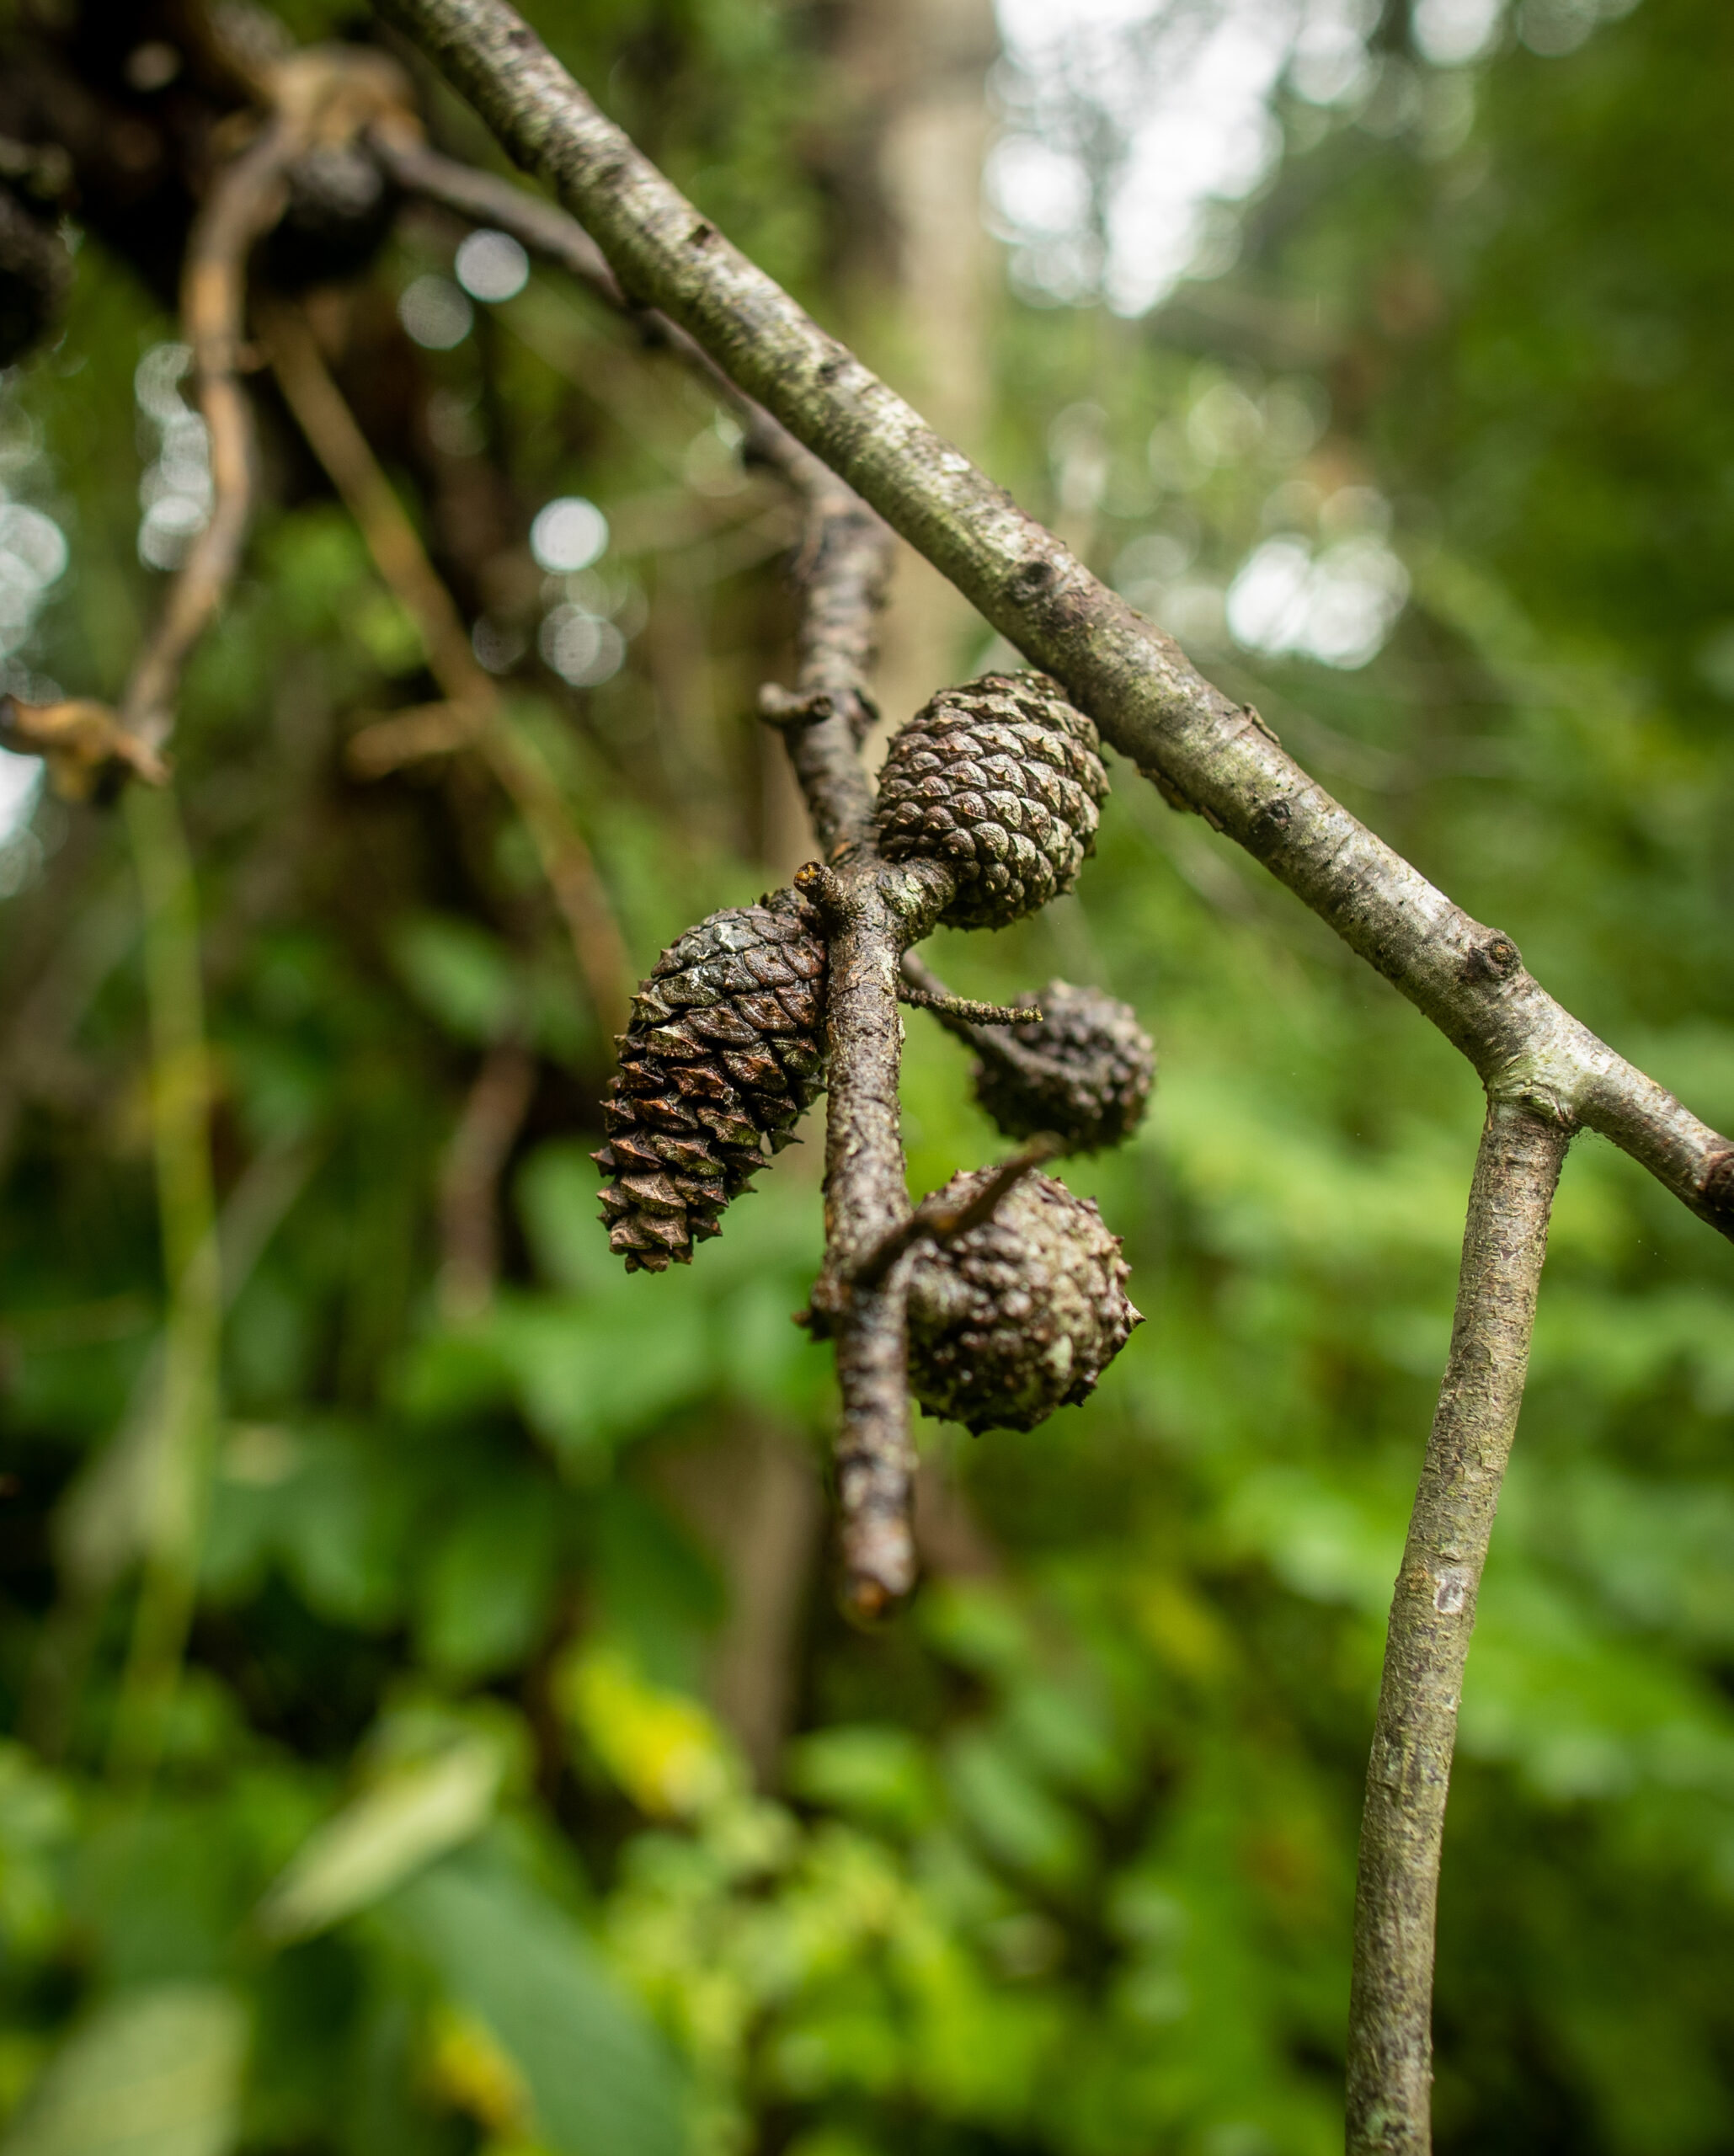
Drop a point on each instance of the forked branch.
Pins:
(1545, 1072)
(245, 200)
(871, 912)
(1147, 699)
(325, 94)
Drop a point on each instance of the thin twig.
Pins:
(246, 199)
(1432, 1614)
(1205, 750)
(341, 447)
(988, 1035)
(483, 198)
(546, 230)
(985, 1028)
(939, 1221)
(79, 740)
(843, 568)
(964, 1013)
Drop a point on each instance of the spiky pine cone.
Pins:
(724, 1053)
(1002, 780)
(1023, 1314)
(1084, 1071)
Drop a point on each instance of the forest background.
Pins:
(516, 1726)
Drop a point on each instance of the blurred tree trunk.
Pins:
(928, 59)
(752, 1497)
(905, 171)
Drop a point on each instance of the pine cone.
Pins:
(1023, 1314)
(1084, 1071)
(724, 1053)
(1001, 780)
(36, 272)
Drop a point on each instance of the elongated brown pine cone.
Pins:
(1084, 1071)
(1002, 780)
(724, 1053)
(1023, 1314)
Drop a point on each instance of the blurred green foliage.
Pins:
(461, 1837)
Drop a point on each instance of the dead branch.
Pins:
(324, 94)
(245, 200)
(922, 990)
(842, 570)
(938, 1220)
(872, 911)
(79, 740)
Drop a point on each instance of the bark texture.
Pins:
(872, 912)
(1148, 702)
(1432, 1615)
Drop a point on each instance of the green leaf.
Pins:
(485, 1592)
(878, 1774)
(460, 974)
(36, 1822)
(1018, 1820)
(601, 2079)
(153, 2072)
(413, 1813)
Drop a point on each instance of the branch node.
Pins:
(82, 742)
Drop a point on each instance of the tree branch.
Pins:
(1148, 702)
(872, 912)
(1432, 1615)
(246, 199)
(843, 568)
(960, 1015)
(940, 1220)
